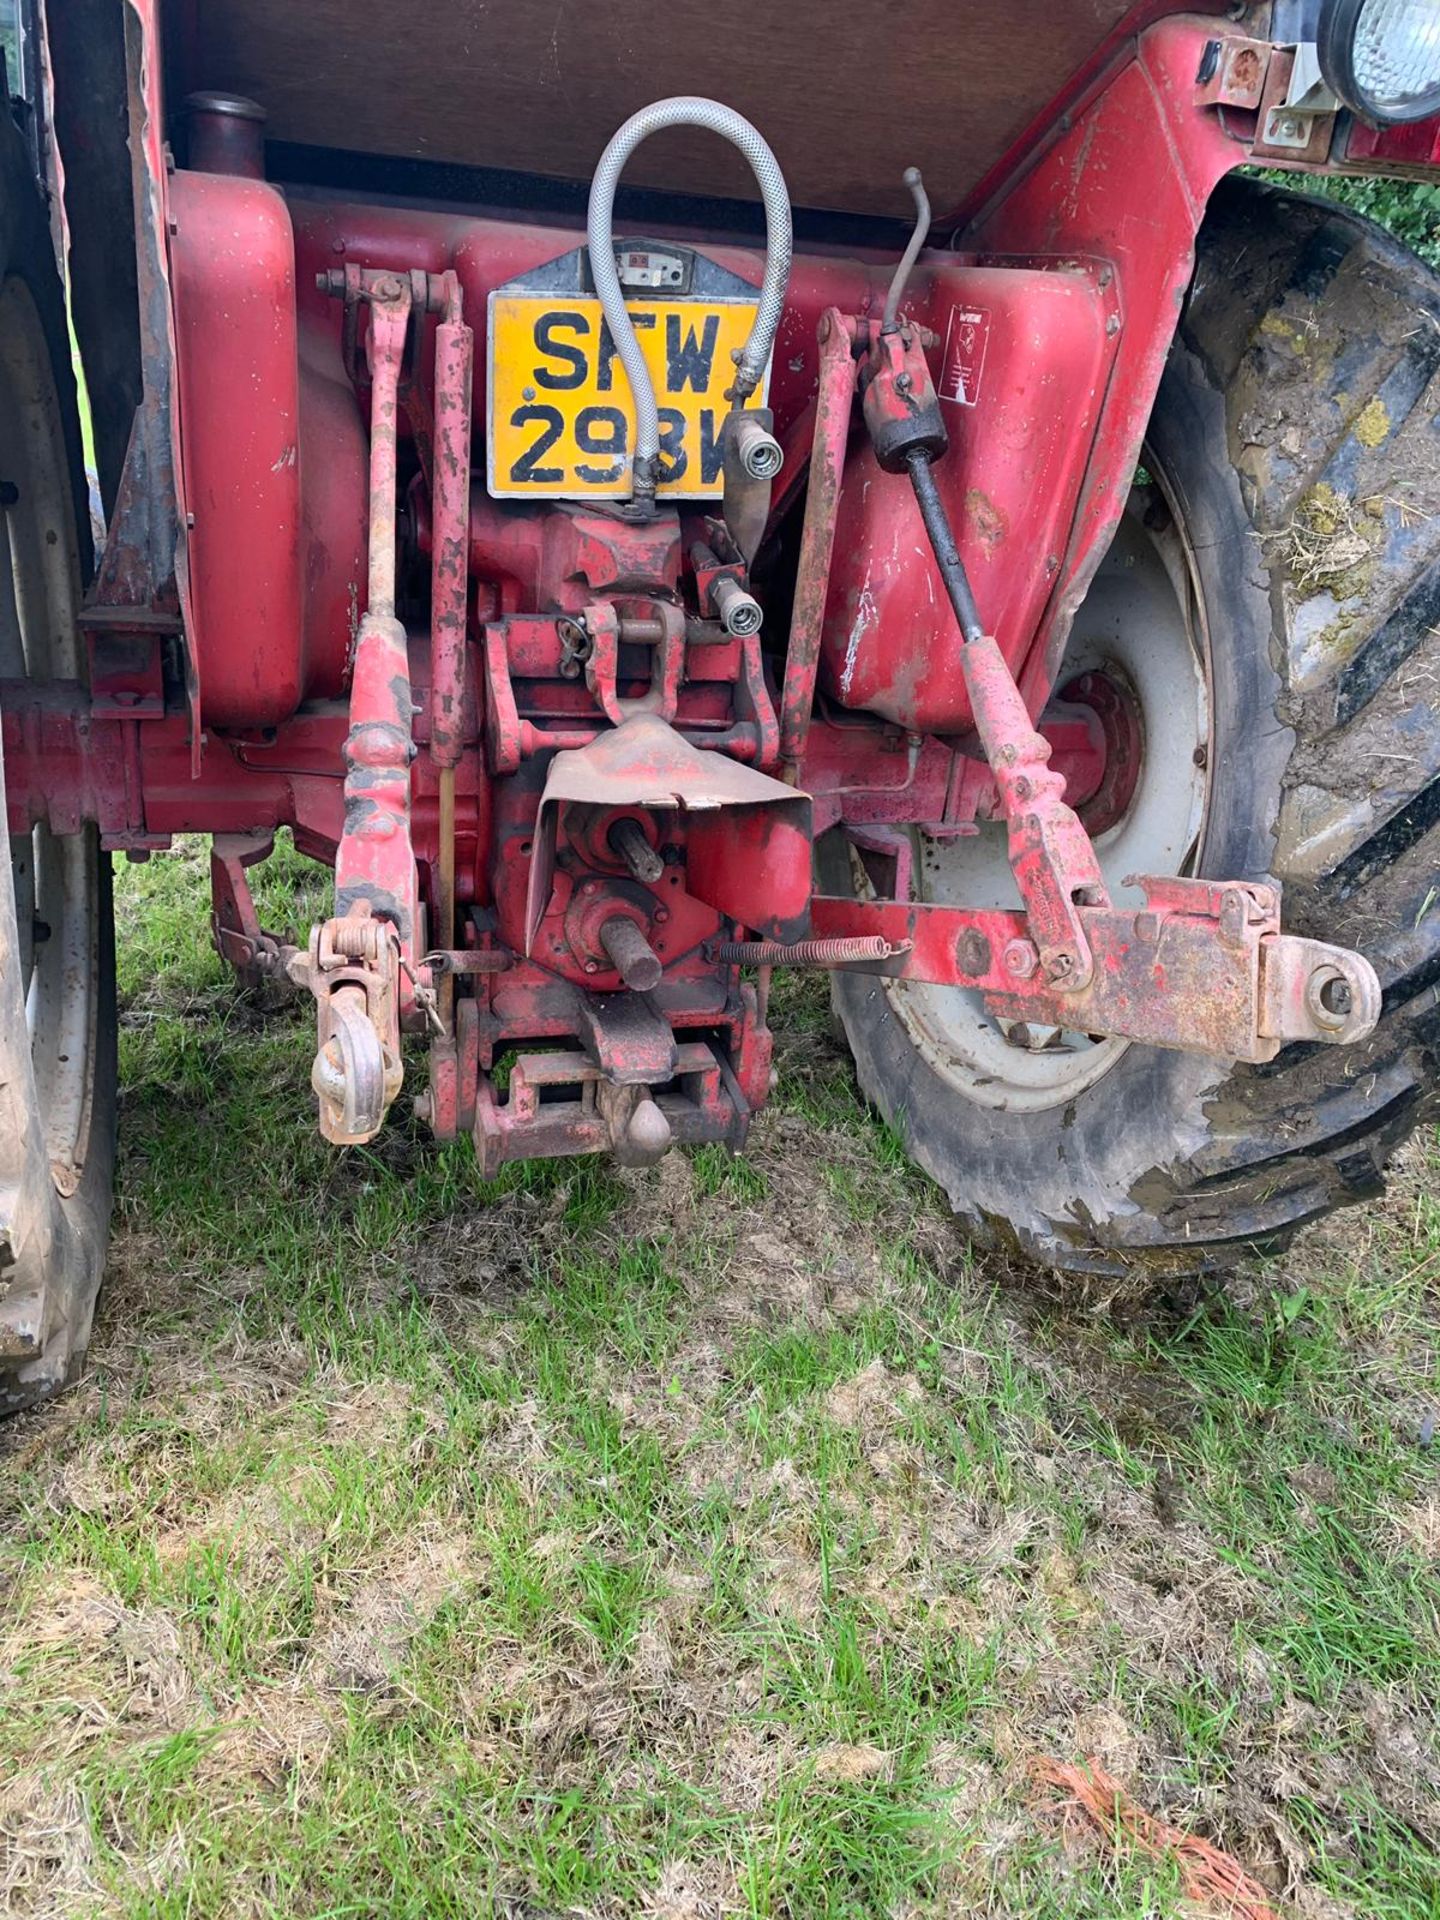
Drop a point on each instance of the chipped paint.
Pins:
(867, 615)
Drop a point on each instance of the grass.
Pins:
(724, 1538)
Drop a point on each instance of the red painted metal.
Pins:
(1005, 541)
(1099, 72)
(1051, 856)
(558, 558)
(234, 268)
(1126, 182)
(604, 623)
(487, 253)
(1010, 482)
(746, 837)
(333, 531)
(1103, 746)
(1381, 148)
(702, 1106)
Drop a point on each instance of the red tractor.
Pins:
(923, 519)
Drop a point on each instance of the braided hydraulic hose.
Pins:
(689, 111)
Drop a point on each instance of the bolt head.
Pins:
(592, 966)
(1020, 959)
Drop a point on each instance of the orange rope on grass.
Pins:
(1210, 1876)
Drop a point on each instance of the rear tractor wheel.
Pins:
(57, 979)
(1265, 636)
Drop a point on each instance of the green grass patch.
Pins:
(721, 1539)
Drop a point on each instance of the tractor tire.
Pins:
(1294, 462)
(57, 964)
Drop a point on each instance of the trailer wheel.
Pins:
(57, 975)
(1267, 630)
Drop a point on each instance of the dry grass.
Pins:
(720, 1539)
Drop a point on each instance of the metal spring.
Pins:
(804, 953)
(352, 937)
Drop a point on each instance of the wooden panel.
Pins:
(847, 94)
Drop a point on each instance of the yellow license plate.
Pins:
(561, 418)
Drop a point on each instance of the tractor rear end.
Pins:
(625, 611)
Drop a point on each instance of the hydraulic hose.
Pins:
(685, 110)
(911, 254)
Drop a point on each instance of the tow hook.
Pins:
(353, 970)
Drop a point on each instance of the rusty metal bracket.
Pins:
(605, 629)
(1203, 967)
(1232, 73)
(583, 1112)
(235, 927)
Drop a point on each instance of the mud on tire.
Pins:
(57, 972)
(1296, 432)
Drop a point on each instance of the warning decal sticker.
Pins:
(966, 339)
